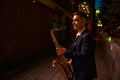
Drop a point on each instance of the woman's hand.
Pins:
(60, 50)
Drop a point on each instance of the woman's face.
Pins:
(78, 22)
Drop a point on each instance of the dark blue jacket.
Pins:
(82, 53)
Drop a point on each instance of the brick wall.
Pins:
(24, 30)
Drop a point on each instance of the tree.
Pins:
(110, 14)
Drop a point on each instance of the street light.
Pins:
(97, 11)
(99, 24)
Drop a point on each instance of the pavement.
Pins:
(42, 69)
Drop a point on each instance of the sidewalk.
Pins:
(44, 70)
(45, 73)
(102, 67)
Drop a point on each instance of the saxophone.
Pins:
(61, 62)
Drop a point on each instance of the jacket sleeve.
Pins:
(69, 52)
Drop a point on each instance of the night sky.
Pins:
(97, 4)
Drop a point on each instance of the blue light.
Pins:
(97, 4)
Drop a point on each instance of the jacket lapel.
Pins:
(78, 40)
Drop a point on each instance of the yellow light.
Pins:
(82, 5)
(34, 1)
(84, 2)
(87, 15)
(97, 11)
(109, 38)
(86, 6)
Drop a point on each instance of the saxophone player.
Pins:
(82, 52)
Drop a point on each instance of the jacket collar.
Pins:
(81, 32)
